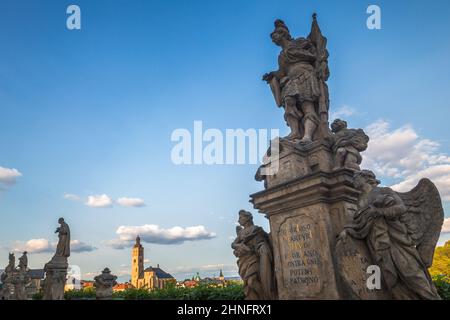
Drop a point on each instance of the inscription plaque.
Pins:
(301, 257)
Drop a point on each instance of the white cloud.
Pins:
(344, 111)
(99, 201)
(45, 246)
(33, 246)
(71, 197)
(105, 201)
(130, 202)
(446, 226)
(151, 233)
(404, 156)
(9, 176)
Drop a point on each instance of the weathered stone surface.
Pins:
(297, 160)
(311, 195)
(104, 284)
(347, 145)
(253, 249)
(55, 278)
(401, 230)
(56, 268)
(20, 280)
(7, 291)
(305, 216)
(353, 260)
(299, 84)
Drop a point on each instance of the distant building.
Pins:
(149, 278)
(86, 284)
(210, 282)
(122, 287)
(72, 283)
(37, 276)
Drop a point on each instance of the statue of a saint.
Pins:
(401, 231)
(255, 259)
(63, 247)
(11, 263)
(299, 85)
(23, 261)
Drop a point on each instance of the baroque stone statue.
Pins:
(299, 85)
(23, 261)
(63, 247)
(400, 231)
(6, 278)
(253, 249)
(104, 284)
(56, 268)
(347, 145)
(20, 280)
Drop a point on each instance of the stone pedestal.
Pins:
(55, 278)
(307, 205)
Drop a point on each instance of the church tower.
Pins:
(137, 262)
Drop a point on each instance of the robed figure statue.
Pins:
(63, 247)
(299, 85)
(253, 249)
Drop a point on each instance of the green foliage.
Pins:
(202, 292)
(442, 284)
(37, 296)
(88, 293)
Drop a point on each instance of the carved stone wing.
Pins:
(424, 218)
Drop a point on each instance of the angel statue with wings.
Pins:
(401, 231)
(299, 85)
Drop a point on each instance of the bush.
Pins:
(88, 293)
(202, 292)
(442, 284)
(37, 296)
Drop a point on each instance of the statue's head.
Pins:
(106, 270)
(280, 33)
(338, 125)
(361, 140)
(365, 180)
(11, 256)
(245, 218)
(60, 220)
(25, 253)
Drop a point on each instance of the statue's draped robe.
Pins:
(63, 247)
(256, 266)
(391, 247)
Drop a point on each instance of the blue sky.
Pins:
(91, 112)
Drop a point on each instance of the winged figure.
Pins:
(401, 231)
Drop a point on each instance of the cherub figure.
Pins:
(347, 145)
